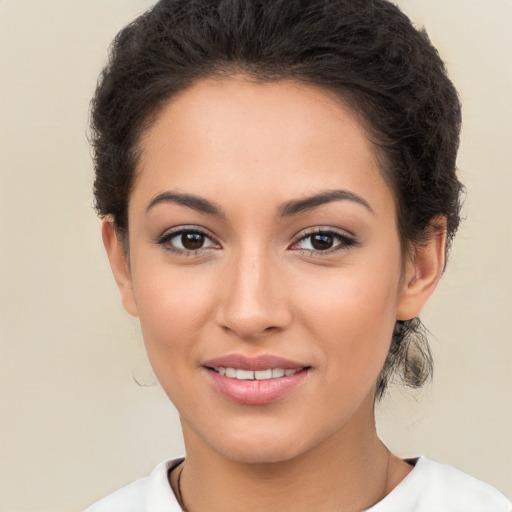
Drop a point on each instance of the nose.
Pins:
(254, 299)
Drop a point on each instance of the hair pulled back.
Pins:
(365, 51)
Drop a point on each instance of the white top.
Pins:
(429, 487)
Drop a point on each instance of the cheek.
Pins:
(351, 313)
(173, 304)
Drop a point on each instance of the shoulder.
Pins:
(150, 494)
(431, 486)
(460, 490)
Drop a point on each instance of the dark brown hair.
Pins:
(365, 51)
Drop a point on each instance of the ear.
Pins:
(119, 264)
(423, 271)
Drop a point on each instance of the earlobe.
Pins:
(423, 272)
(119, 264)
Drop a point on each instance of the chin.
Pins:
(263, 443)
(260, 452)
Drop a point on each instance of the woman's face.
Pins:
(263, 241)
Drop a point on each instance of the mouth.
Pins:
(254, 381)
(270, 373)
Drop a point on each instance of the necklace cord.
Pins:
(176, 488)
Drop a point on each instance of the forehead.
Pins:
(282, 138)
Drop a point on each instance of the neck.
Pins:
(351, 471)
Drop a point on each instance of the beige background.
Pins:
(74, 425)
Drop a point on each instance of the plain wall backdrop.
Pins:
(74, 425)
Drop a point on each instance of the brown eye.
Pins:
(322, 241)
(187, 241)
(192, 241)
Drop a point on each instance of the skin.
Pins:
(259, 286)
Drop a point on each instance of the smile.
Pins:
(256, 380)
(271, 373)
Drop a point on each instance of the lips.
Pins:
(270, 373)
(263, 362)
(254, 381)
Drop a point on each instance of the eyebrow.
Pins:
(191, 201)
(301, 205)
(289, 208)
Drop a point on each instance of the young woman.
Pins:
(277, 185)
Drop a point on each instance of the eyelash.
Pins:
(344, 242)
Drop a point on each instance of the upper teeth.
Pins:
(235, 373)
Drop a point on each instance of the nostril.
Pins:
(250, 331)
